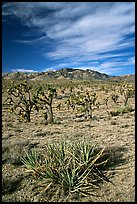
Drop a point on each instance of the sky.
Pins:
(42, 36)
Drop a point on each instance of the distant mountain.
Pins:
(127, 78)
(67, 73)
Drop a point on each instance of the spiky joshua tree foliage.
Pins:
(21, 100)
(114, 97)
(46, 99)
(82, 102)
(127, 91)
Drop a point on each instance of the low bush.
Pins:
(121, 110)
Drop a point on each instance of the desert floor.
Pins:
(111, 132)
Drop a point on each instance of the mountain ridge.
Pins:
(67, 73)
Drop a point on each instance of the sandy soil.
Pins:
(109, 132)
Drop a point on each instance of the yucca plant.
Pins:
(56, 152)
(75, 167)
(83, 151)
(32, 162)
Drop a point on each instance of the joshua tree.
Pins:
(47, 99)
(67, 102)
(21, 99)
(106, 101)
(128, 94)
(114, 97)
(127, 91)
(59, 106)
(86, 101)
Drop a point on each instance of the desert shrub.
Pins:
(57, 120)
(127, 109)
(113, 123)
(69, 167)
(121, 110)
(12, 153)
(115, 113)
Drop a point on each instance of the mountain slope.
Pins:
(67, 73)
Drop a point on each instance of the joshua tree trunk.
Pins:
(28, 117)
(27, 114)
(90, 111)
(50, 115)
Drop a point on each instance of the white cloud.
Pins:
(80, 31)
(109, 66)
(35, 40)
(23, 70)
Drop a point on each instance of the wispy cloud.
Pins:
(79, 32)
(32, 41)
(23, 70)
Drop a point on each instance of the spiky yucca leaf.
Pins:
(72, 167)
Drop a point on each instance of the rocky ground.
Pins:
(117, 132)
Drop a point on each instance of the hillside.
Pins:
(128, 78)
(68, 73)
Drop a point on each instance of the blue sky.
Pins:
(41, 36)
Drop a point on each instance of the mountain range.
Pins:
(68, 73)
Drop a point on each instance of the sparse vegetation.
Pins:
(82, 103)
(127, 91)
(75, 169)
(121, 110)
(22, 100)
(46, 99)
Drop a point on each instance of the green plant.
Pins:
(120, 110)
(67, 102)
(32, 162)
(104, 88)
(75, 167)
(127, 109)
